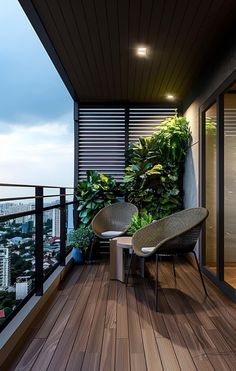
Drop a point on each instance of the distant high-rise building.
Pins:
(56, 223)
(27, 227)
(23, 286)
(70, 218)
(5, 267)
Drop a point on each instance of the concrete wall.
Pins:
(191, 111)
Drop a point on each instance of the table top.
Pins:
(125, 242)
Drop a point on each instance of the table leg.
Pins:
(116, 262)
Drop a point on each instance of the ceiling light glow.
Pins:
(142, 52)
(170, 96)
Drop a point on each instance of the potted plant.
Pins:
(81, 239)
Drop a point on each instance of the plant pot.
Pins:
(77, 255)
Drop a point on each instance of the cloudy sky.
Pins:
(36, 111)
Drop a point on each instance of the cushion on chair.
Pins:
(147, 250)
(112, 233)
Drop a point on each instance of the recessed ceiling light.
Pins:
(170, 96)
(142, 51)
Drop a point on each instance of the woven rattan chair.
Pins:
(176, 234)
(113, 220)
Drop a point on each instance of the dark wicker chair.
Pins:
(113, 220)
(176, 234)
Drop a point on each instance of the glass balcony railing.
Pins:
(33, 242)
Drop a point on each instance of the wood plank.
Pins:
(30, 355)
(218, 300)
(218, 332)
(152, 355)
(161, 334)
(50, 345)
(109, 338)
(122, 319)
(203, 363)
(94, 345)
(122, 355)
(108, 354)
(101, 325)
(188, 334)
(218, 362)
(51, 318)
(181, 349)
(68, 284)
(135, 336)
(79, 347)
(64, 347)
(210, 338)
(110, 321)
(52, 302)
(165, 347)
(230, 360)
(82, 273)
(206, 331)
(137, 356)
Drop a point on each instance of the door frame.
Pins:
(218, 99)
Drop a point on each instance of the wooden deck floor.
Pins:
(97, 324)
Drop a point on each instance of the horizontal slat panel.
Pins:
(144, 121)
(102, 141)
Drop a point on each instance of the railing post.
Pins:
(62, 226)
(39, 241)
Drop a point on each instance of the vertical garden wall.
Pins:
(152, 179)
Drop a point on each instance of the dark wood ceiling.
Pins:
(92, 43)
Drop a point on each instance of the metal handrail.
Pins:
(38, 212)
(30, 186)
(6, 217)
(33, 197)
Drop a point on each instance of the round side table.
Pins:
(117, 245)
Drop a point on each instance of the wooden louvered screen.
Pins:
(102, 135)
(101, 141)
(144, 121)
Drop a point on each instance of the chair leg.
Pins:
(142, 263)
(199, 270)
(174, 271)
(156, 287)
(128, 273)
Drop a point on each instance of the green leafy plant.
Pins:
(81, 238)
(172, 141)
(139, 221)
(97, 191)
(153, 177)
(140, 179)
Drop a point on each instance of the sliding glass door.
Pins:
(230, 186)
(219, 189)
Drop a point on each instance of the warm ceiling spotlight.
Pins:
(142, 52)
(170, 96)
